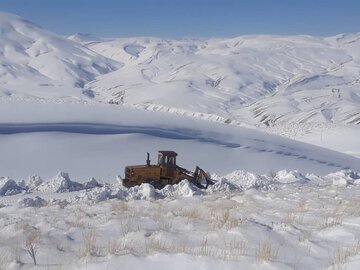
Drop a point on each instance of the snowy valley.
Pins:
(273, 119)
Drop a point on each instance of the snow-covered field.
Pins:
(283, 221)
(100, 140)
(277, 117)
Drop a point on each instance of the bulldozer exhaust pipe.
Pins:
(148, 159)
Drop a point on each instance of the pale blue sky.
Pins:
(190, 18)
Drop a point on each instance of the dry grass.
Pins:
(89, 245)
(266, 252)
(129, 225)
(221, 219)
(204, 249)
(235, 249)
(290, 217)
(119, 207)
(191, 213)
(118, 248)
(156, 244)
(77, 219)
(341, 256)
(296, 215)
(331, 221)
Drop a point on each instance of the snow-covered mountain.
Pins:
(258, 79)
(36, 62)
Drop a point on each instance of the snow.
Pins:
(60, 183)
(36, 62)
(8, 187)
(230, 77)
(290, 177)
(104, 227)
(344, 178)
(31, 202)
(98, 140)
(239, 180)
(82, 108)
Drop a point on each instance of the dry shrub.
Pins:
(331, 221)
(32, 242)
(235, 249)
(290, 218)
(266, 252)
(89, 245)
(192, 213)
(118, 248)
(206, 250)
(221, 219)
(158, 245)
(189, 213)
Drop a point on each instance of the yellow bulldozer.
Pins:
(165, 172)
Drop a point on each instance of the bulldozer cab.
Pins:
(167, 162)
(167, 158)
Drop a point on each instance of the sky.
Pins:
(190, 18)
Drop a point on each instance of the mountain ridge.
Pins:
(35, 57)
(258, 80)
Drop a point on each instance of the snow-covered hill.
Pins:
(36, 62)
(263, 80)
(260, 80)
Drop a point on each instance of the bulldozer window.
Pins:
(161, 159)
(171, 160)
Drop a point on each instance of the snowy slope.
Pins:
(36, 62)
(262, 80)
(99, 140)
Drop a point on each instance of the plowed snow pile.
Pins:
(237, 181)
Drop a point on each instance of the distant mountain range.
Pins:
(255, 80)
